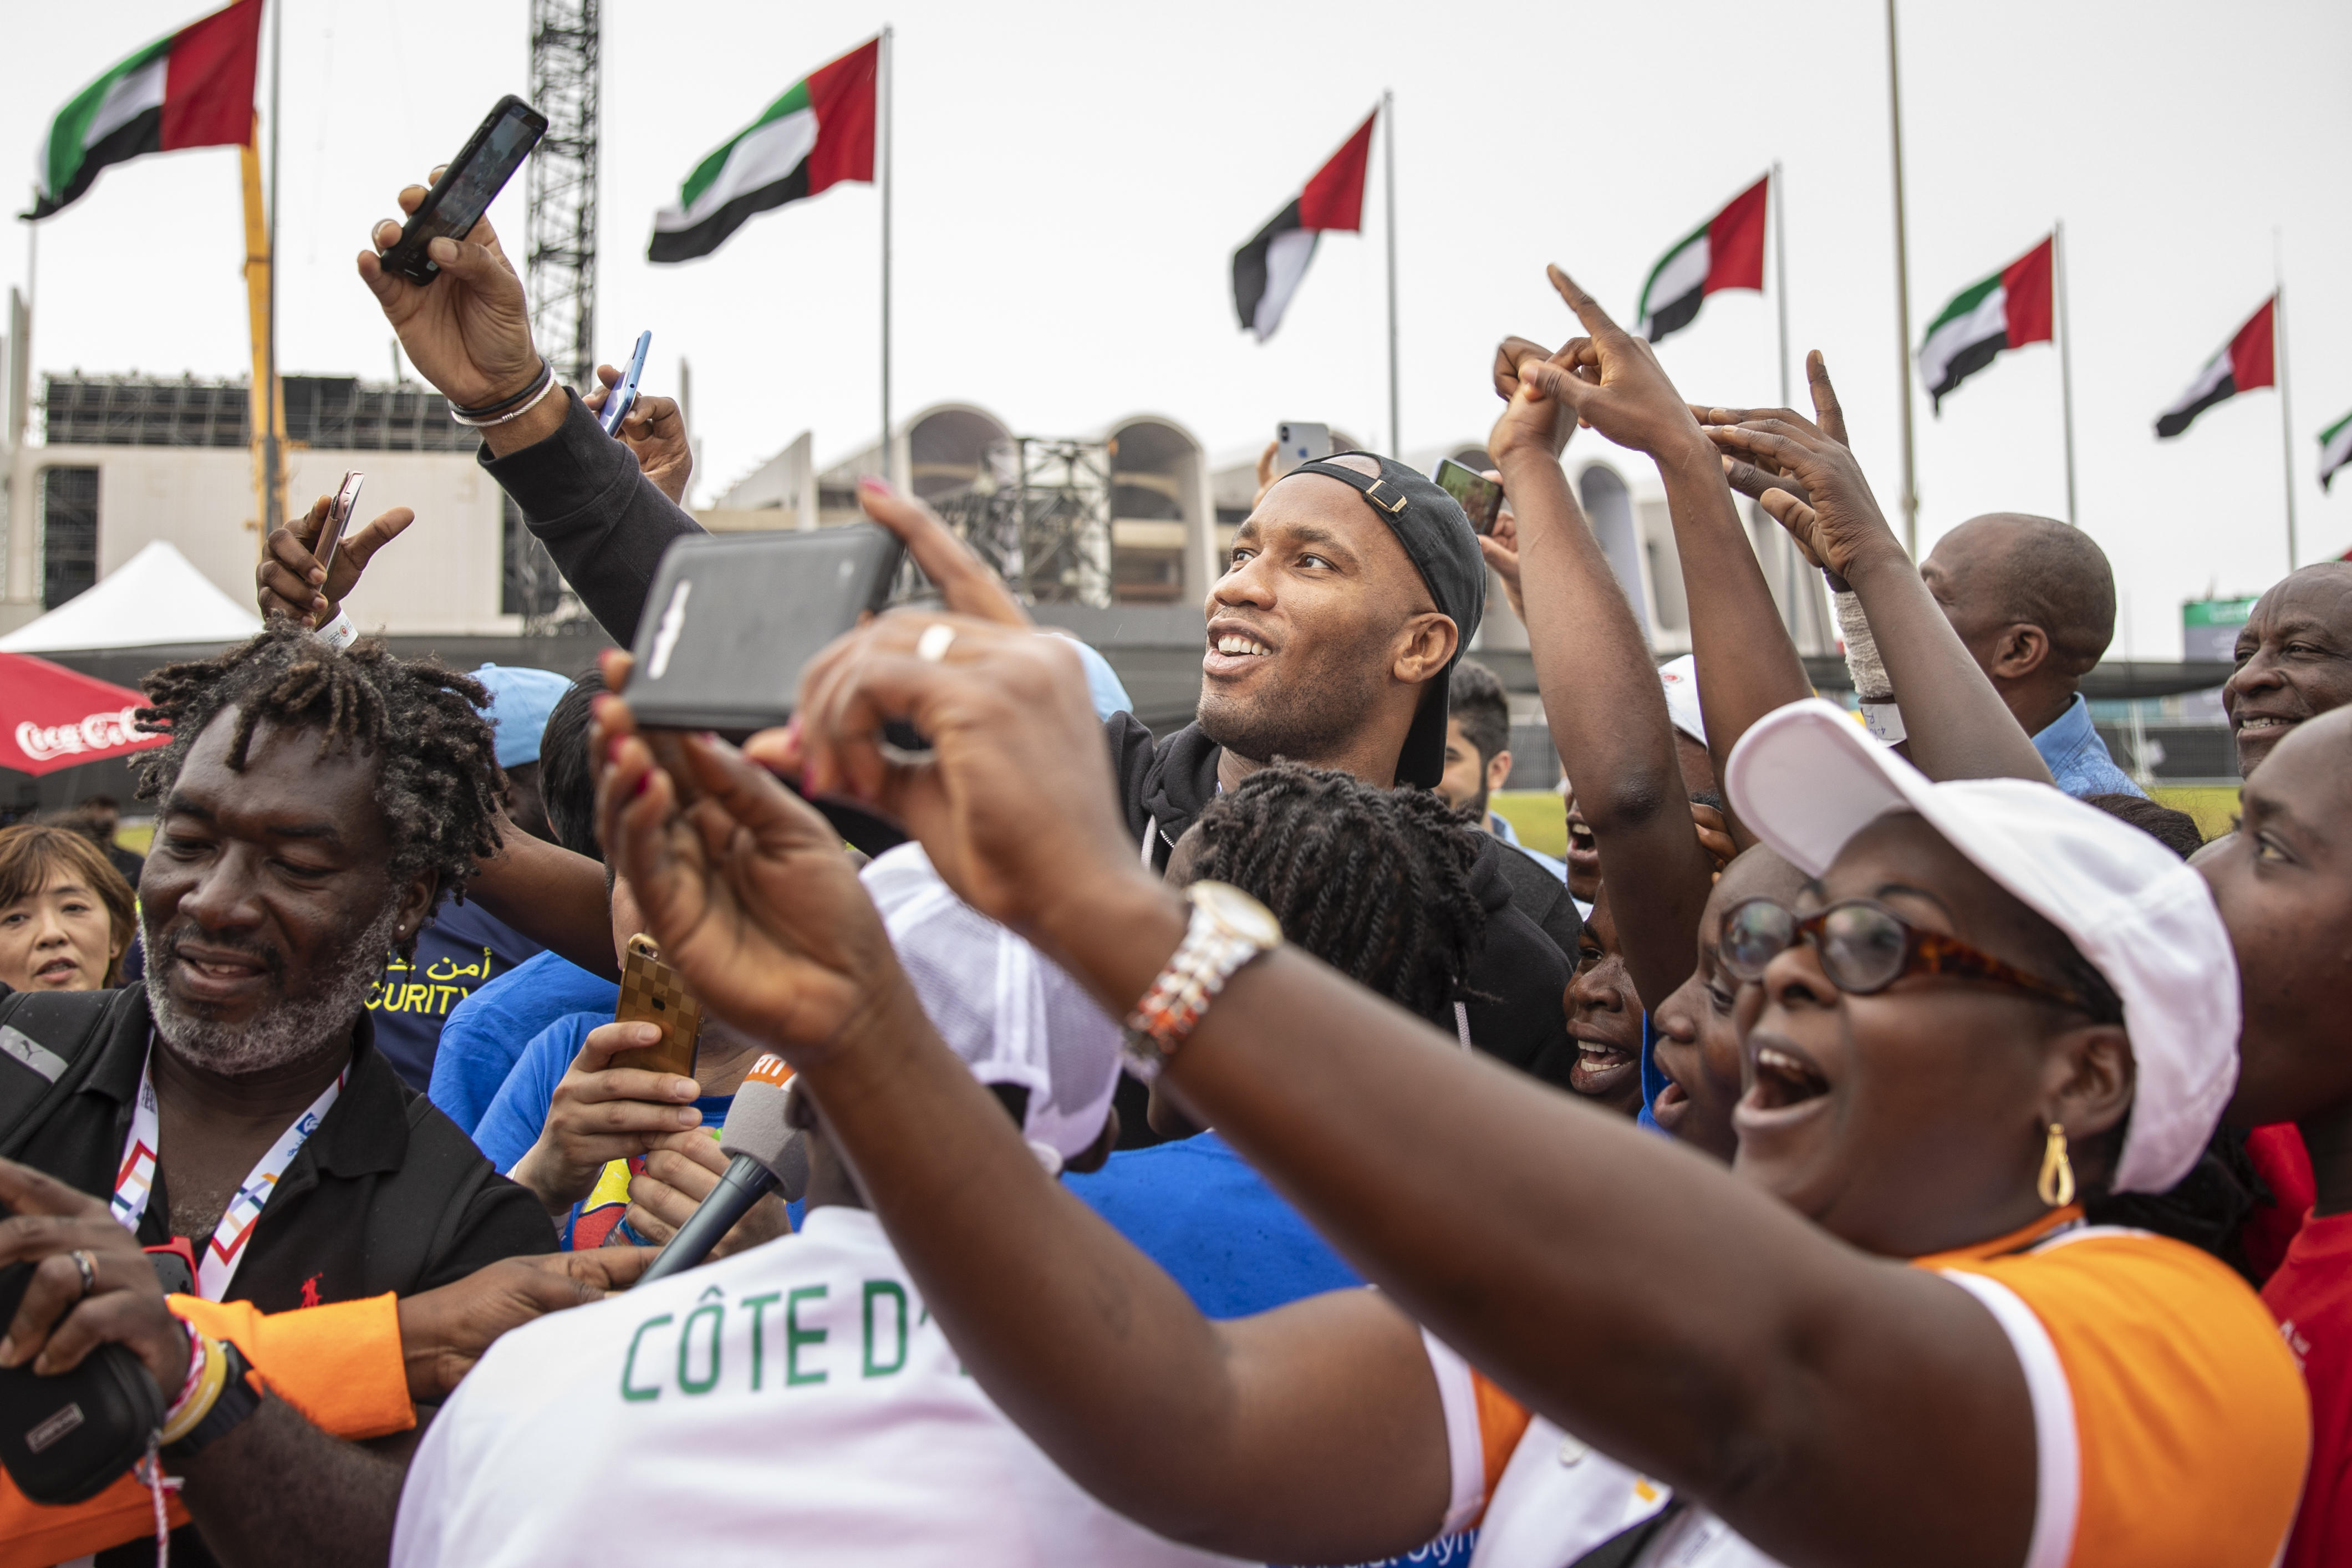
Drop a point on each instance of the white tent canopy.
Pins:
(154, 599)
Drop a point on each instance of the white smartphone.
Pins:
(1297, 442)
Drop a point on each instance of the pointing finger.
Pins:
(1588, 309)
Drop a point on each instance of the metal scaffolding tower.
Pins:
(563, 185)
(561, 263)
(1040, 514)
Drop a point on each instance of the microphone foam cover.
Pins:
(756, 1125)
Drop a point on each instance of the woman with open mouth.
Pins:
(65, 913)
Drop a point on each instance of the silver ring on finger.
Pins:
(933, 646)
(88, 1266)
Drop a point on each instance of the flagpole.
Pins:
(889, 448)
(2065, 362)
(274, 494)
(1910, 497)
(1388, 123)
(2286, 407)
(1781, 273)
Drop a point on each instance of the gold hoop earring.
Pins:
(2057, 1186)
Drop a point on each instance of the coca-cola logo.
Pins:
(97, 732)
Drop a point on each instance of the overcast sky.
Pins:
(1073, 178)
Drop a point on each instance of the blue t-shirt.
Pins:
(519, 1114)
(2078, 760)
(460, 950)
(485, 1034)
(1199, 1212)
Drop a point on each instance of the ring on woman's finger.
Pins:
(933, 645)
(88, 1266)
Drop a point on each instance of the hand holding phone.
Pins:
(623, 396)
(653, 993)
(337, 519)
(467, 186)
(1481, 498)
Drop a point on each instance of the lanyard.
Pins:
(216, 1264)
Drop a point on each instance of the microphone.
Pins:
(767, 1153)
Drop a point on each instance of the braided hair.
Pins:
(1375, 882)
(437, 780)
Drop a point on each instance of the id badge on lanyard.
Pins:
(135, 1180)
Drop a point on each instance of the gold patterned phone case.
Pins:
(653, 993)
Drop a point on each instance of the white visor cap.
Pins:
(1807, 779)
(1011, 1013)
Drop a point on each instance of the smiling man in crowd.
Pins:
(1348, 595)
(312, 808)
(2295, 659)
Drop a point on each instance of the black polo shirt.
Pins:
(387, 1195)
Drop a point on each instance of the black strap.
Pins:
(1381, 491)
(48, 1037)
(1621, 1548)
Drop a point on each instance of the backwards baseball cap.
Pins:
(521, 700)
(1807, 779)
(1443, 549)
(1012, 1013)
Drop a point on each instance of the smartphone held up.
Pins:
(623, 396)
(338, 519)
(1481, 498)
(467, 186)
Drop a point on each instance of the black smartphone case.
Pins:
(67, 1439)
(732, 619)
(408, 256)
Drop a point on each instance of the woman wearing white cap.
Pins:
(1888, 1336)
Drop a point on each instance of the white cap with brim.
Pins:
(1807, 779)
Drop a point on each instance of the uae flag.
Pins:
(2014, 307)
(2250, 361)
(818, 135)
(1267, 270)
(2335, 448)
(194, 88)
(1727, 251)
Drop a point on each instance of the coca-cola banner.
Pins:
(51, 718)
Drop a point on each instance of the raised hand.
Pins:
(601, 1113)
(288, 580)
(654, 430)
(1752, 479)
(58, 1321)
(1805, 476)
(1610, 379)
(1501, 548)
(443, 1333)
(746, 888)
(468, 330)
(1016, 807)
(968, 584)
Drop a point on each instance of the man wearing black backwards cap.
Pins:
(1352, 588)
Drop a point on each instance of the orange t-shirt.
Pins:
(2171, 1425)
(340, 1365)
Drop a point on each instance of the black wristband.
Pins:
(238, 1401)
(484, 412)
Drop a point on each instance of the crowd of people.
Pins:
(1902, 1142)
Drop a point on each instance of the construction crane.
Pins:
(560, 264)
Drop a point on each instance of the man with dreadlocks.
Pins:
(312, 808)
(1377, 884)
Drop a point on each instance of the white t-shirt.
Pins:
(794, 1403)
